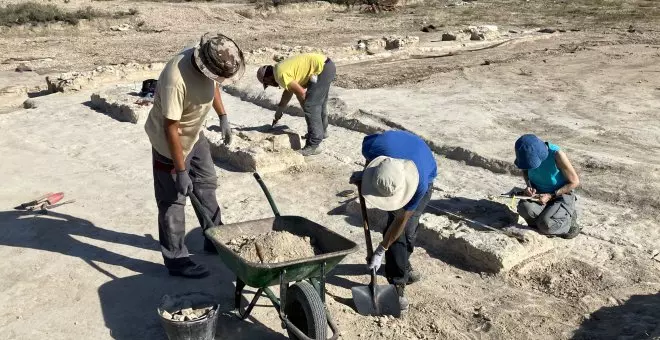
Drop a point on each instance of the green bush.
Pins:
(35, 13)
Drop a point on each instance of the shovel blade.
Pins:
(385, 302)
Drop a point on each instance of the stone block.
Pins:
(375, 45)
(479, 249)
(465, 245)
(121, 105)
(257, 151)
(76, 81)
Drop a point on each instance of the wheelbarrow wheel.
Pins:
(306, 311)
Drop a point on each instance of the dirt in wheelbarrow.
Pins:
(273, 247)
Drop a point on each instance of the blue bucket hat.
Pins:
(530, 152)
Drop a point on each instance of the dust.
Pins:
(273, 247)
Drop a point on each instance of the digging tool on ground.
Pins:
(374, 299)
(520, 238)
(43, 202)
(518, 193)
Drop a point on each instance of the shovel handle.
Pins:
(365, 221)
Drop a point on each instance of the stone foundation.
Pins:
(121, 105)
(263, 152)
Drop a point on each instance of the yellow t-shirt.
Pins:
(183, 94)
(299, 68)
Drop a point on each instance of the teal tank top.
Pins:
(547, 178)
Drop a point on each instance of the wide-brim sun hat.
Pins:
(531, 151)
(219, 58)
(389, 183)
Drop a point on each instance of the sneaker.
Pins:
(575, 229)
(403, 301)
(209, 247)
(187, 268)
(413, 275)
(310, 150)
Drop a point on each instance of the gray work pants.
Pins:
(171, 204)
(316, 104)
(553, 218)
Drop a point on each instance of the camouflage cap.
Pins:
(219, 58)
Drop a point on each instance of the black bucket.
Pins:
(199, 329)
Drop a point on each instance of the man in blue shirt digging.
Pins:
(398, 178)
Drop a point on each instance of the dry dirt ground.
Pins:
(92, 269)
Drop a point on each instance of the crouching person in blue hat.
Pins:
(551, 179)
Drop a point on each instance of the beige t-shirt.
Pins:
(183, 94)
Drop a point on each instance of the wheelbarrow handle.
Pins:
(267, 193)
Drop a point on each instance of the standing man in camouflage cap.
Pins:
(187, 88)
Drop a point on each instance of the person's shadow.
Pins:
(637, 318)
(128, 304)
(54, 232)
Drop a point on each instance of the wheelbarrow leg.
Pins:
(253, 303)
(238, 293)
(322, 283)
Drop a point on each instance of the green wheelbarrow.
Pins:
(301, 303)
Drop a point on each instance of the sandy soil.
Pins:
(273, 247)
(92, 269)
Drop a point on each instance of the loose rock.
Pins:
(448, 36)
(547, 30)
(485, 32)
(23, 68)
(121, 28)
(429, 28)
(187, 314)
(30, 104)
(612, 301)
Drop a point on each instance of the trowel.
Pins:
(374, 299)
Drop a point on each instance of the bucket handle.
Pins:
(267, 193)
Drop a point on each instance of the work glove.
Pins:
(183, 183)
(226, 130)
(377, 258)
(278, 115)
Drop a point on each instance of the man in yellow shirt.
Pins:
(308, 76)
(186, 90)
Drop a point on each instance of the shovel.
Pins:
(374, 299)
